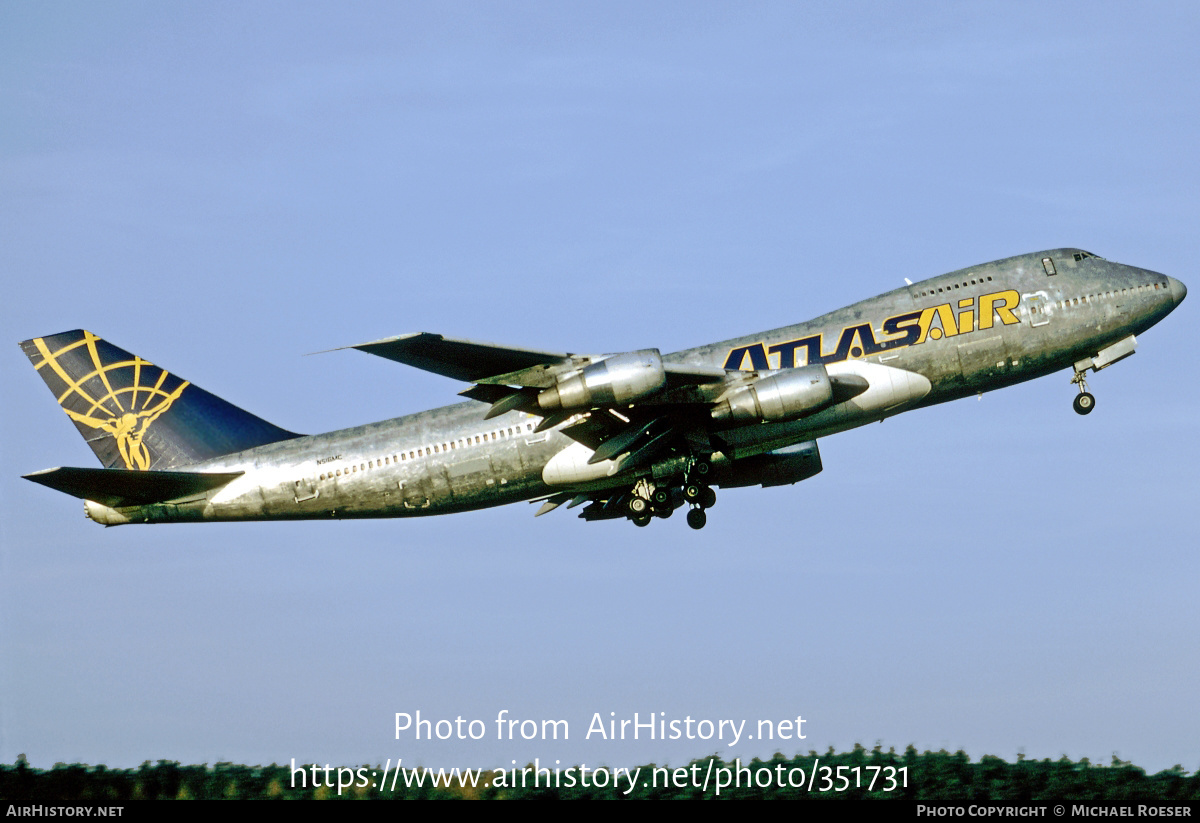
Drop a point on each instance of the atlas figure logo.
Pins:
(127, 395)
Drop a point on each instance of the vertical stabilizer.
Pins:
(135, 415)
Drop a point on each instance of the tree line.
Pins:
(929, 777)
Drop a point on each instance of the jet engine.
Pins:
(622, 378)
(785, 396)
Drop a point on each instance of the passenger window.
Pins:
(1048, 265)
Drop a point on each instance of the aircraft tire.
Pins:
(692, 492)
(1084, 403)
(709, 498)
(661, 496)
(641, 520)
(696, 518)
(638, 506)
(701, 468)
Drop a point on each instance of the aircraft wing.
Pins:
(630, 405)
(471, 360)
(491, 364)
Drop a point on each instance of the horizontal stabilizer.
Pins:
(124, 487)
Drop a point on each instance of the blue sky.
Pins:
(225, 188)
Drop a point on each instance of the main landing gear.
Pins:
(647, 501)
(698, 493)
(1084, 402)
(639, 510)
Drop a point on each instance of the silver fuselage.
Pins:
(968, 331)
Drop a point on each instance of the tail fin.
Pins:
(133, 414)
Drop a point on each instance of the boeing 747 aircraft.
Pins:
(631, 436)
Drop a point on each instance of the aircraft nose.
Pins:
(1178, 290)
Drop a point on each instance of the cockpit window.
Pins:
(1081, 255)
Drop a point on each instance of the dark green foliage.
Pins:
(932, 778)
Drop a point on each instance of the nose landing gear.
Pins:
(1084, 402)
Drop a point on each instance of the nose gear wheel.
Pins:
(1083, 402)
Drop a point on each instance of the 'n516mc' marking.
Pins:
(910, 329)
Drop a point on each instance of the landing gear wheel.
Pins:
(1084, 402)
(639, 506)
(700, 469)
(664, 512)
(696, 518)
(709, 498)
(692, 492)
(661, 496)
(641, 520)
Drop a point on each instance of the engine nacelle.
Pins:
(778, 468)
(784, 396)
(621, 378)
